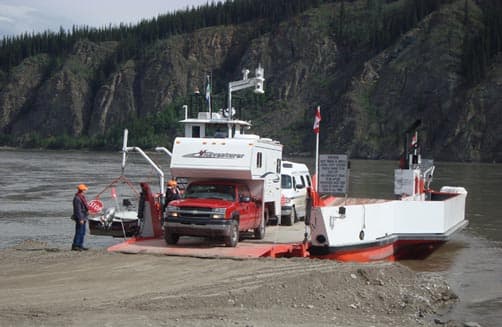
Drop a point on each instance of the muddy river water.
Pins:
(36, 189)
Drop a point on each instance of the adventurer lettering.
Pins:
(214, 155)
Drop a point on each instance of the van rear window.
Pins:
(286, 182)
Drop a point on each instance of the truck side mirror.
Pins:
(299, 186)
(245, 199)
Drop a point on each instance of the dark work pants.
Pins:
(78, 240)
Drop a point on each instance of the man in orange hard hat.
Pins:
(172, 192)
(80, 216)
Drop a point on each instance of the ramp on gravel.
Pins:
(279, 241)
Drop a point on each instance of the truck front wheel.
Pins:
(171, 238)
(232, 239)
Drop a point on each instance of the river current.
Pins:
(37, 187)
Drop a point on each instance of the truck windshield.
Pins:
(210, 191)
(286, 182)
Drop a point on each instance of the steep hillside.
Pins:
(419, 76)
(373, 67)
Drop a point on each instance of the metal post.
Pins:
(317, 162)
(229, 104)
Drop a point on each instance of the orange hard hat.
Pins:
(82, 187)
(172, 183)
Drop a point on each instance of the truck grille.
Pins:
(194, 212)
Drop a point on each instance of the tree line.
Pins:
(133, 38)
(379, 31)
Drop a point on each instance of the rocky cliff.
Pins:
(368, 95)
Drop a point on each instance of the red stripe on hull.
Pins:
(399, 250)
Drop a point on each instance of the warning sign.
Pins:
(333, 173)
(95, 206)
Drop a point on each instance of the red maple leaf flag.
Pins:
(317, 120)
(414, 139)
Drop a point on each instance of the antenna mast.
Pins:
(244, 83)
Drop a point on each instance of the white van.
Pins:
(295, 178)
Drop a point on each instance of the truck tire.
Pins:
(171, 238)
(291, 219)
(259, 232)
(266, 215)
(232, 239)
(287, 220)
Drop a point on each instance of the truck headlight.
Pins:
(218, 213)
(172, 211)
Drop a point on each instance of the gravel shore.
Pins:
(43, 286)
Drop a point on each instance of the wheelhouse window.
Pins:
(196, 131)
(217, 130)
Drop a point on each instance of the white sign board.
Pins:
(403, 181)
(333, 173)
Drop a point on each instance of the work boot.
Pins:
(84, 249)
(76, 248)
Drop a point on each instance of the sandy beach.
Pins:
(44, 286)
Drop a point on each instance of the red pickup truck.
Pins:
(214, 209)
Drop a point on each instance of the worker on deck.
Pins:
(80, 216)
(172, 192)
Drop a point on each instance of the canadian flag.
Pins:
(208, 88)
(414, 139)
(317, 120)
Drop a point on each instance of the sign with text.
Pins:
(333, 173)
(95, 206)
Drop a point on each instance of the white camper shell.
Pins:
(247, 158)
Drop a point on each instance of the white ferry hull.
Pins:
(372, 229)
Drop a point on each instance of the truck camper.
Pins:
(233, 178)
(227, 173)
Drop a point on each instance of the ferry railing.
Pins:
(126, 149)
